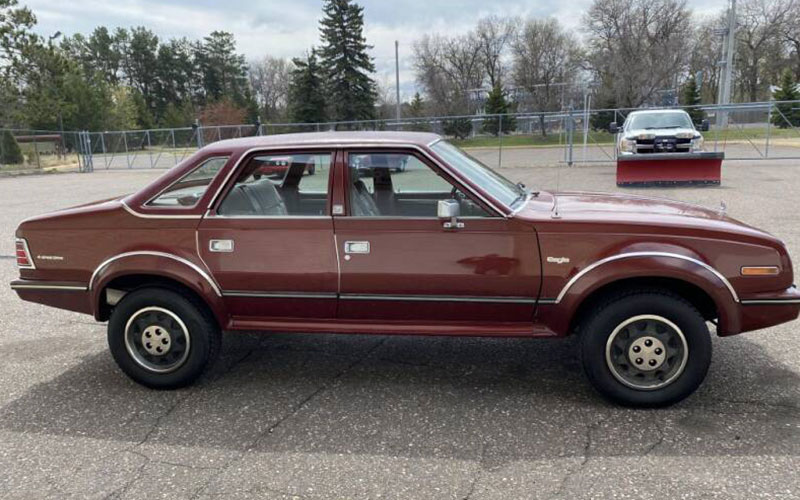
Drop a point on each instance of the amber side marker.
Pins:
(760, 270)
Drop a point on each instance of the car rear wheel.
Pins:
(162, 339)
(646, 349)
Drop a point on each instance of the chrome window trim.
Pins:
(192, 265)
(157, 216)
(631, 255)
(300, 217)
(438, 298)
(69, 288)
(28, 253)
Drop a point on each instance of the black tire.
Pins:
(190, 333)
(630, 318)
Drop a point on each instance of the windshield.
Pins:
(659, 120)
(493, 183)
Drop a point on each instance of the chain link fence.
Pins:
(751, 131)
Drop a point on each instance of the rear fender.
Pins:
(164, 265)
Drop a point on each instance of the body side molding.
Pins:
(151, 253)
(632, 255)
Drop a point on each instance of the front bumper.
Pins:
(768, 309)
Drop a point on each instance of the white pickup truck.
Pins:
(658, 131)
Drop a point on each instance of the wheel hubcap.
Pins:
(157, 339)
(646, 352)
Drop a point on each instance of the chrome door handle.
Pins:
(356, 247)
(220, 246)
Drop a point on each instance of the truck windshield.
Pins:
(500, 188)
(659, 120)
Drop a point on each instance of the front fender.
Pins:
(686, 268)
(161, 264)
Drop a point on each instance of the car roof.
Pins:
(327, 138)
(643, 111)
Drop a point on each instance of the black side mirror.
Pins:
(613, 128)
(704, 126)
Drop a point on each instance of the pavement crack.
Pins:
(289, 414)
(478, 475)
(587, 455)
(659, 441)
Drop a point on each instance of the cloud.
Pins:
(288, 28)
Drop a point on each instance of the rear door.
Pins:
(269, 239)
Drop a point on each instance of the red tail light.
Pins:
(24, 259)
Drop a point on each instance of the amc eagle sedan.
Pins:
(441, 246)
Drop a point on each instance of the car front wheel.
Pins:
(647, 349)
(161, 339)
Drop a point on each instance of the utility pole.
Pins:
(397, 77)
(726, 85)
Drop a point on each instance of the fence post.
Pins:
(103, 145)
(36, 152)
(570, 136)
(500, 145)
(149, 146)
(174, 157)
(769, 126)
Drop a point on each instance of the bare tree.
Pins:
(448, 69)
(494, 35)
(269, 78)
(637, 47)
(545, 56)
(759, 38)
(705, 54)
(791, 35)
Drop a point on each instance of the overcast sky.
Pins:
(287, 28)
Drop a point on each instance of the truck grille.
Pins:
(663, 144)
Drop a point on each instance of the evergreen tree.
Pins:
(691, 97)
(459, 128)
(416, 109)
(9, 149)
(788, 114)
(343, 56)
(306, 93)
(496, 104)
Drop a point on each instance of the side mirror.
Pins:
(449, 211)
(613, 128)
(704, 126)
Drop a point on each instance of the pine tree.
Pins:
(496, 104)
(786, 115)
(9, 149)
(306, 93)
(691, 97)
(416, 110)
(347, 66)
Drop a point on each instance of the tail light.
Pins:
(24, 259)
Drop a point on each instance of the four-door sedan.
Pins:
(443, 246)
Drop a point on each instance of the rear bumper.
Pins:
(765, 310)
(70, 295)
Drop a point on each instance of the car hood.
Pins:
(660, 132)
(623, 212)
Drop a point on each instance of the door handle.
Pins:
(356, 247)
(220, 246)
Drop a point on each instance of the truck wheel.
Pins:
(646, 349)
(161, 339)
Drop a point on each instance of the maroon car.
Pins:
(443, 246)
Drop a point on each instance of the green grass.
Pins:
(605, 138)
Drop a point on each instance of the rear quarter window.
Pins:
(190, 188)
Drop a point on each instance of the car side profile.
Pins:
(402, 233)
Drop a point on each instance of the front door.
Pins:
(400, 263)
(269, 240)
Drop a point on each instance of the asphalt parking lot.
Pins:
(309, 416)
